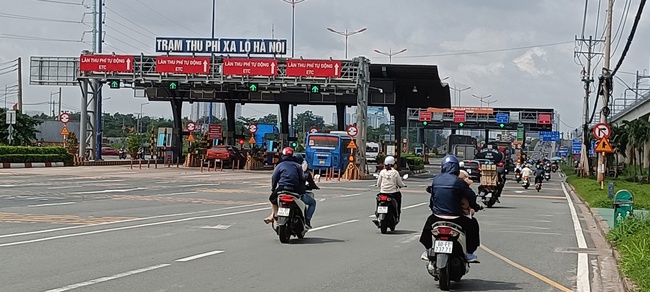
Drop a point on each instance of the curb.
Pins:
(31, 164)
(603, 229)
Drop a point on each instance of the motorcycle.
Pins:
(489, 195)
(547, 176)
(447, 261)
(121, 154)
(525, 183)
(386, 213)
(518, 176)
(554, 167)
(291, 217)
(538, 186)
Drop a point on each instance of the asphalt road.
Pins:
(176, 229)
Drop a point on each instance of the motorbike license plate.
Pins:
(321, 162)
(441, 246)
(283, 212)
(469, 171)
(382, 209)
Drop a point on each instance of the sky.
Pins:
(529, 60)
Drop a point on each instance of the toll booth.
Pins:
(623, 206)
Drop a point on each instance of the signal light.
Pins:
(425, 123)
(241, 141)
(461, 124)
(294, 144)
(501, 125)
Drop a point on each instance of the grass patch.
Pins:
(632, 239)
(589, 190)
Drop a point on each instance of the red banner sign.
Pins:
(105, 63)
(250, 67)
(544, 119)
(314, 68)
(459, 116)
(215, 132)
(183, 65)
(425, 116)
(469, 110)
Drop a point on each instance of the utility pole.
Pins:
(607, 76)
(20, 85)
(587, 79)
(57, 115)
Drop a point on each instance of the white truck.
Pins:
(372, 150)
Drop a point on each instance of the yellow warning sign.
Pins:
(251, 140)
(190, 138)
(64, 131)
(604, 146)
(352, 145)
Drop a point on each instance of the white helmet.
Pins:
(390, 160)
(461, 164)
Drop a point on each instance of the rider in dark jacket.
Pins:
(447, 191)
(287, 176)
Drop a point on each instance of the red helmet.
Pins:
(287, 151)
(500, 164)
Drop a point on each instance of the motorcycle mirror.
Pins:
(406, 176)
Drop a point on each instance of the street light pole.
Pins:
(458, 91)
(293, 44)
(481, 98)
(140, 119)
(210, 108)
(347, 34)
(390, 54)
(489, 102)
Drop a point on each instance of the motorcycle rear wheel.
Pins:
(444, 280)
(284, 233)
(383, 227)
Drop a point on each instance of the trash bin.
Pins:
(623, 206)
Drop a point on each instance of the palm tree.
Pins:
(620, 140)
(637, 131)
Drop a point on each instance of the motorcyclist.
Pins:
(447, 192)
(501, 172)
(539, 175)
(310, 184)
(526, 172)
(389, 181)
(287, 176)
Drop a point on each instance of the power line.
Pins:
(486, 51)
(621, 24)
(25, 17)
(147, 15)
(33, 38)
(60, 2)
(129, 28)
(631, 37)
(128, 36)
(123, 42)
(167, 18)
(127, 19)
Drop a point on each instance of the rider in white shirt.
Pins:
(526, 172)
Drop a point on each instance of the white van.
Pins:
(372, 150)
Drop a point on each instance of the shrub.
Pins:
(20, 158)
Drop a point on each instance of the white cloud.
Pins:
(526, 62)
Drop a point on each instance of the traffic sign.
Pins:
(65, 131)
(64, 118)
(314, 89)
(314, 68)
(105, 63)
(404, 140)
(183, 65)
(602, 131)
(549, 136)
(459, 116)
(503, 118)
(313, 130)
(425, 116)
(352, 145)
(544, 119)
(11, 117)
(173, 85)
(191, 126)
(190, 138)
(252, 87)
(252, 128)
(251, 140)
(603, 146)
(352, 131)
(215, 131)
(250, 67)
(114, 84)
(576, 147)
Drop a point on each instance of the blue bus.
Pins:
(325, 151)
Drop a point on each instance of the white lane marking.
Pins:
(320, 200)
(332, 225)
(372, 216)
(528, 232)
(52, 204)
(103, 181)
(70, 178)
(219, 226)
(582, 274)
(125, 221)
(104, 279)
(174, 194)
(198, 256)
(412, 238)
(108, 191)
(64, 187)
(261, 187)
(414, 206)
(198, 185)
(351, 195)
(7, 186)
(129, 227)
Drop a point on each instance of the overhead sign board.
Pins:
(544, 119)
(314, 68)
(182, 65)
(425, 116)
(105, 63)
(469, 110)
(215, 132)
(502, 118)
(250, 67)
(549, 136)
(221, 46)
(514, 117)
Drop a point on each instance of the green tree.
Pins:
(24, 131)
(305, 120)
(268, 119)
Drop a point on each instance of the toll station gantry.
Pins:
(231, 80)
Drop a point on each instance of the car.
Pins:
(473, 168)
(226, 153)
(110, 151)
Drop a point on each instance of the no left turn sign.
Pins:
(252, 128)
(191, 126)
(352, 131)
(64, 118)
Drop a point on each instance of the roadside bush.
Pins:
(9, 150)
(414, 162)
(631, 239)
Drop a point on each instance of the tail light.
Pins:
(444, 231)
(383, 198)
(286, 199)
(479, 169)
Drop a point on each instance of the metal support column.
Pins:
(340, 117)
(83, 116)
(229, 139)
(362, 110)
(177, 132)
(284, 124)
